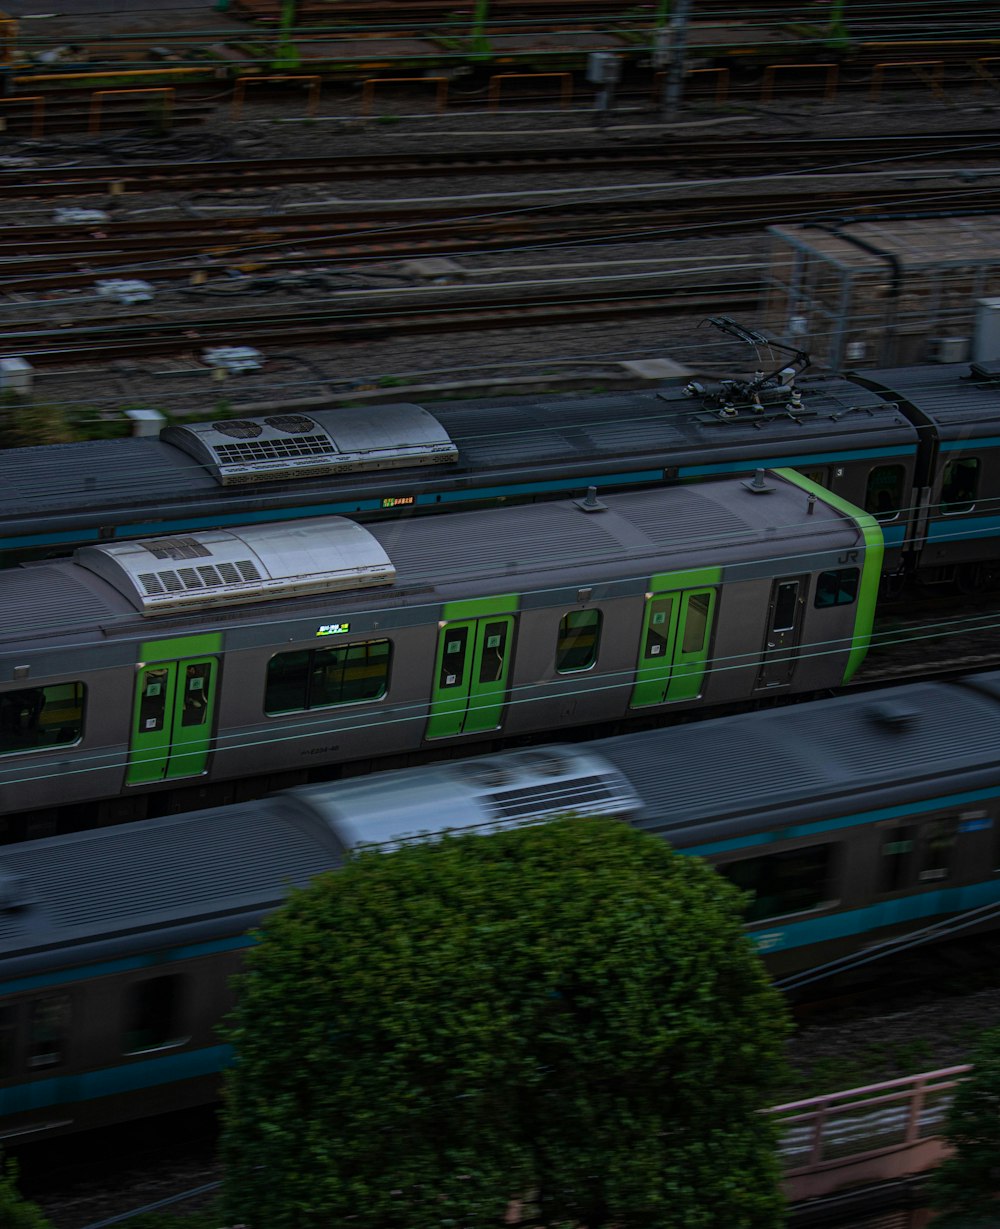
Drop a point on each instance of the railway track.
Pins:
(70, 255)
(105, 341)
(684, 156)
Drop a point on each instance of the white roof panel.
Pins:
(219, 567)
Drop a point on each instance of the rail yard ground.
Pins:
(261, 280)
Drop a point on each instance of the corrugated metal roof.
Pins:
(146, 875)
(838, 750)
(49, 598)
(527, 546)
(918, 243)
(96, 474)
(947, 395)
(637, 525)
(73, 486)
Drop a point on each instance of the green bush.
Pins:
(570, 1014)
(15, 1211)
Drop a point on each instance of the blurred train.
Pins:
(852, 822)
(180, 665)
(919, 448)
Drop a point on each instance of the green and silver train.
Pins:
(152, 675)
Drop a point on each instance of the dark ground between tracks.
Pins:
(183, 385)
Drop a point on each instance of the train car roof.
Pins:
(961, 401)
(853, 755)
(467, 554)
(706, 784)
(136, 482)
(112, 892)
(209, 875)
(501, 432)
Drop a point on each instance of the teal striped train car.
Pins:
(849, 823)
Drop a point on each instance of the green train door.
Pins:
(473, 664)
(174, 708)
(676, 633)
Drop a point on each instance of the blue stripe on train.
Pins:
(127, 963)
(926, 905)
(430, 499)
(170, 1068)
(964, 530)
(235, 942)
(811, 458)
(112, 1081)
(847, 821)
(340, 508)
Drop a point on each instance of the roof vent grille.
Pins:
(176, 548)
(592, 795)
(239, 428)
(292, 423)
(253, 564)
(285, 446)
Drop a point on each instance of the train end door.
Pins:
(784, 632)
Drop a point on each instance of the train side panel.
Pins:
(666, 601)
(84, 1049)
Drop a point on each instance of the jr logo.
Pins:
(850, 556)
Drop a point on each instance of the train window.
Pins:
(579, 636)
(40, 717)
(884, 494)
(658, 635)
(152, 1014)
(838, 588)
(913, 854)
(453, 658)
(494, 651)
(48, 1030)
(785, 606)
(819, 476)
(937, 849)
(8, 1039)
(153, 702)
(696, 610)
(960, 485)
(319, 678)
(782, 883)
(898, 847)
(196, 692)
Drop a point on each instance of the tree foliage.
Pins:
(966, 1185)
(24, 423)
(16, 1212)
(569, 1013)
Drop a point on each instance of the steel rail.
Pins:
(685, 155)
(113, 339)
(43, 258)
